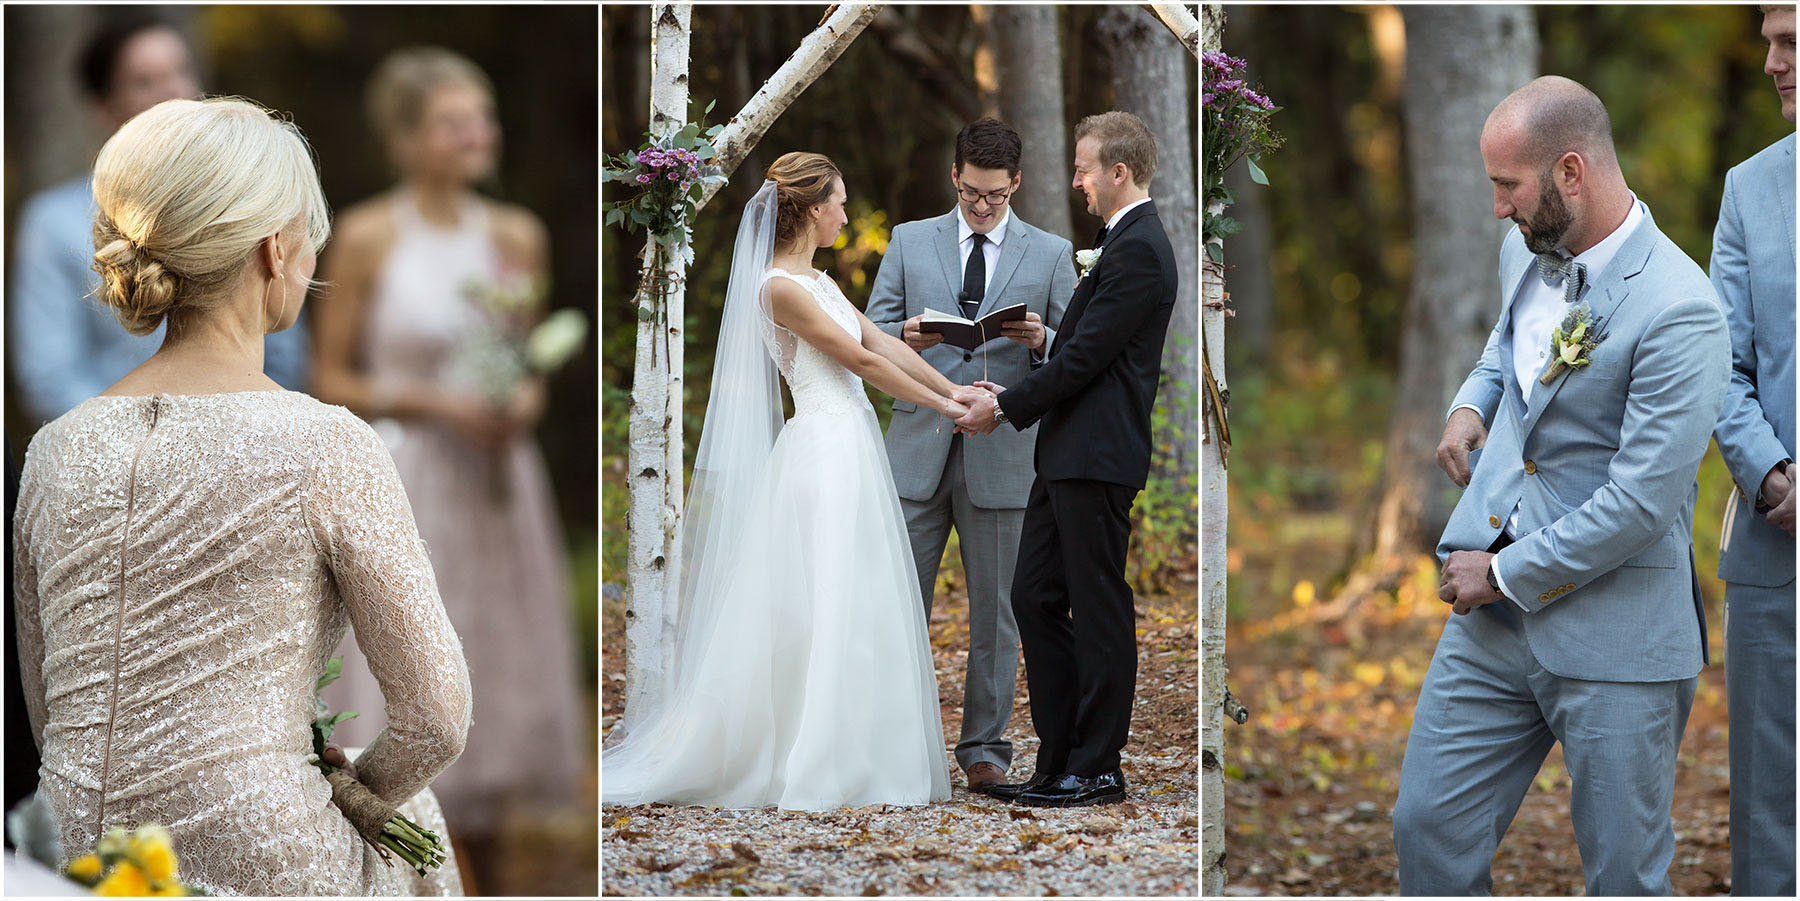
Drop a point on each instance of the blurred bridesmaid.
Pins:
(421, 279)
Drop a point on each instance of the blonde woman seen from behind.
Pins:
(413, 278)
(192, 544)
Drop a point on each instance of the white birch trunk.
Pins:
(655, 477)
(1213, 532)
(1181, 22)
(810, 60)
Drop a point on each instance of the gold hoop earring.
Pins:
(282, 277)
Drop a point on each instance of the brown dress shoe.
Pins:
(983, 775)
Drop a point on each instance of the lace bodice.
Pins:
(185, 567)
(818, 383)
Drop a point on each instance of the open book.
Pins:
(967, 334)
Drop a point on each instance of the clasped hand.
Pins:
(1778, 493)
(978, 401)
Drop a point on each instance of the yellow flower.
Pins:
(158, 861)
(125, 881)
(85, 869)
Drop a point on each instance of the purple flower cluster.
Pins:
(1224, 84)
(669, 164)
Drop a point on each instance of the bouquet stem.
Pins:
(383, 827)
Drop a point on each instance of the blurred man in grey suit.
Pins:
(968, 262)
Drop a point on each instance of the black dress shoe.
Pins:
(1010, 791)
(1070, 790)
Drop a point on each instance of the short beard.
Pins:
(1552, 220)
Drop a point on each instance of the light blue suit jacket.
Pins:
(1601, 467)
(1753, 270)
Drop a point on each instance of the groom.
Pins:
(1092, 396)
(972, 261)
(1568, 559)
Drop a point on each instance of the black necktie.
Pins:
(974, 278)
(1100, 236)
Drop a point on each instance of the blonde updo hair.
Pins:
(186, 191)
(405, 81)
(802, 181)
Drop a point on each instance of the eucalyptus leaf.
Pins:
(1256, 173)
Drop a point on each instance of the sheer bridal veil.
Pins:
(743, 416)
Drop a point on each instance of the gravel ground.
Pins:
(968, 845)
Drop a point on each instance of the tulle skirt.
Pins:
(814, 688)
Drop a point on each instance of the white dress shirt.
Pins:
(990, 252)
(1120, 214)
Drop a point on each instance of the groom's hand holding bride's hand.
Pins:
(1464, 583)
(1463, 433)
(980, 418)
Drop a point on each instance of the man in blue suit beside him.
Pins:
(1568, 560)
(1753, 270)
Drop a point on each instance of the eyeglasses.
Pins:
(993, 198)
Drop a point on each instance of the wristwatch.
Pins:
(1494, 577)
(999, 414)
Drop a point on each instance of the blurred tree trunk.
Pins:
(1028, 48)
(1213, 537)
(1460, 62)
(986, 63)
(1153, 77)
(655, 457)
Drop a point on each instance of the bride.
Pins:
(802, 675)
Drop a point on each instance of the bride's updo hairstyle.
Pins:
(802, 181)
(186, 192)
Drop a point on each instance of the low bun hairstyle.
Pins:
(186, 192)
(802, 181)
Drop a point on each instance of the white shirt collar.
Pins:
(1597, 257)
(1122, 211)
(995, 237)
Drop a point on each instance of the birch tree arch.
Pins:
(655, 440)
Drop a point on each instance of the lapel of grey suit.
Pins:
(1509, 378)
(1603, 298)
(947, 257)
(1785, 191)
(1012, 250)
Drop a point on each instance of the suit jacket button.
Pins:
(1530, 468)
(1544, 598)
(1569, 587)
(1494, 521)
(967, 357)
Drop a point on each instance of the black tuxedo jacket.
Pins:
(1094, 393)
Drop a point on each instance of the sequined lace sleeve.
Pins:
(27, 619)
(365, 528)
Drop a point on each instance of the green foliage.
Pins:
(1165, 519)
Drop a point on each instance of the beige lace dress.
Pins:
(185, 565)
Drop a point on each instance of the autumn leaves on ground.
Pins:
(969, 845)
(1312, 776)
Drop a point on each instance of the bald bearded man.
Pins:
(1568, 562)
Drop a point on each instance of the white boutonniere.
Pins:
(1572, 343)
(1085, 261)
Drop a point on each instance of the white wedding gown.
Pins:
(815, 689)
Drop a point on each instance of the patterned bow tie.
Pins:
(1553, 268)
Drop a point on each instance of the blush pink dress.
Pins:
(497, 549)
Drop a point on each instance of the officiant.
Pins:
(977, 259)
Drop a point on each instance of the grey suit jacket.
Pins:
(1753, 270)
(1601, 466)
(922, 269)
